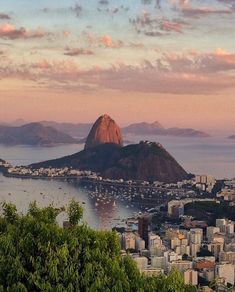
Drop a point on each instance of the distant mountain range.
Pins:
(231, 137)
(82, 130)
(157, 129)
(33, 134)
(53, 133)
(79, 130)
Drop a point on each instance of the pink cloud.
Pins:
(77, 52)
(137, 45)
(66, 33)
(108, 42)
(9, 31)
(105, 41)
(171, 26)
(4, 16)
(191, 72)
(186, 7)
(153, 25)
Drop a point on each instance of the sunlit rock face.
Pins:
(104, 130)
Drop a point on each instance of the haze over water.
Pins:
(215, 156)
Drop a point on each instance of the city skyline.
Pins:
(171, 61)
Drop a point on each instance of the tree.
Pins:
(36, 254)
(75, 212)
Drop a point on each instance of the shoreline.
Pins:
(96, 182)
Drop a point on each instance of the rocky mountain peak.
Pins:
(104, 130)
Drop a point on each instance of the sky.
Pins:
(138, 60)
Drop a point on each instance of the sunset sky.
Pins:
(138, 60)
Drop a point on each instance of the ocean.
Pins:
(214, 156)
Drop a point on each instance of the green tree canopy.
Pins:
(36, 254)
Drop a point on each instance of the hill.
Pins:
(210, 211)
(157, 129)
(143, 161)
(104, 130)
(79, 130)
(33, 134)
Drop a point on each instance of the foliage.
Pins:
(75, 213)
(210, 211)
(36, 254)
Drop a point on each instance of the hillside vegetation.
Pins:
(36, 254)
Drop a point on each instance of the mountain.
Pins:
(157, 129)
(79, 130)
(33, 134)
(142, 128)
(231, 137)
(104, 130)
(185, 132)
(15, 123)
(143, 161)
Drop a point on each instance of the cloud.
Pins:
(217, 62)
(197, 12)
(149, 2)
(105, 41)
(179, 76)
(77, 52)
(191, 72)
(66, 33)
(146, 2)
(150, 25)
(76, 9)
(4, 16)
(103, 2)
(188, 10)
(167, 25)
(113, 10)
(108, 42)
(9, 31)
(136, 45)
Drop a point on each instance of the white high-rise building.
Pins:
(175, 242)
(172, 256)
(157, 250)
(210, 231)
(128, 240)
(183, 249)
(216, 247)
(142, 262)
(154, 240)
(195, 248)
(226, 272)
(230, 227)
(139, 244)
(227, 256)
(180, 265)
(221, 223)
(196, 235)
(191, 277)
(159, 262)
